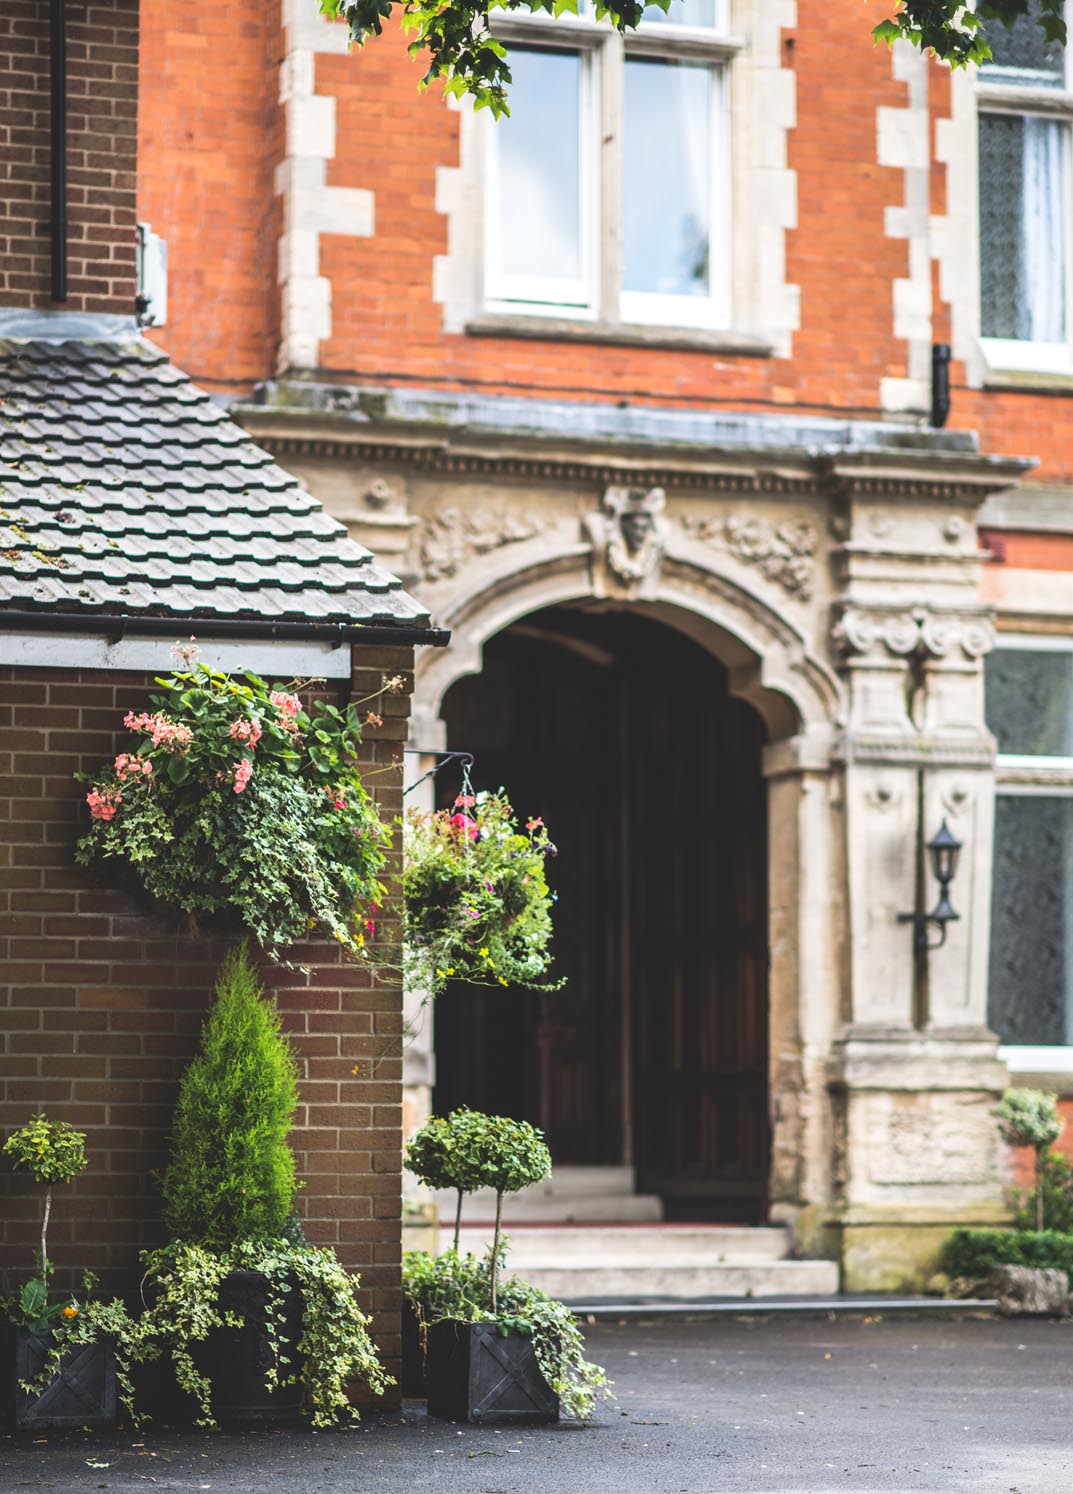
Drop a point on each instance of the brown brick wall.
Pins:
(101, 1005)
(102, 120)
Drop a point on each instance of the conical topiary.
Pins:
(231, 1174)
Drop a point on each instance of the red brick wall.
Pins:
(210, 134)
(101, 1005)
(102, 93)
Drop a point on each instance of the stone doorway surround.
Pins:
(833, 567)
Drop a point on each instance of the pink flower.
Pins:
(465, 801)
(287, 705)
(170, 734)
(464, 825)
(246, 730)
(532, 825)
(372, 719)
(340, 803)
(103, 803)
(129, 765)
(243, 773)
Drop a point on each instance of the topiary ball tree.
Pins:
(1029, 1117)
(51, 1152)
(436, 1158)
(231, 1173)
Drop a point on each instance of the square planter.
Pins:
(475, 1373)
(82, 1393)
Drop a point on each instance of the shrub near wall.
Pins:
(975, 1252)
(101, 1004)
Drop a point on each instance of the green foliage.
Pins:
(1055, 1181)
(231, 1173)
(456, 39)
(235, 798)
(957, 34)
(50, 1151)
(454, 1286)
(183, 1283)
(468, 1150)
(1029, 1117)
(975, 1252)
(77, 1321)
(476, 901)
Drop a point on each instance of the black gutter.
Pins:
(117, 627)
(58, 146)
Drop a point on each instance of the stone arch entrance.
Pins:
(623, 733)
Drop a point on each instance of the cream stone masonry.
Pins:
(310, 206)
(903, 142)
(834, 569)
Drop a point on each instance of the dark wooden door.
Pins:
(622, 735)
(698, 925)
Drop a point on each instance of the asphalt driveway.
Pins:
(779, 1405)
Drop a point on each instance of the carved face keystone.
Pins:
(636, 526)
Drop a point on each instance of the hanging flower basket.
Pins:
(477, 902)
(232, 797)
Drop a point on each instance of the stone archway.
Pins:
(765, 672)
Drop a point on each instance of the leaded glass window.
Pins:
(1029, 692)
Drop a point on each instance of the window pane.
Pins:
(1023, 227)
(1029, 695)
(1023, 56)
(667, 198)
(683, 13)
(1031, 986)
(539, 214)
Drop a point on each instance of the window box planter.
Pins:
(477, 1373)
(81, 1394)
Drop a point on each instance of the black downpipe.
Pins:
(58, 146)
(940, 384)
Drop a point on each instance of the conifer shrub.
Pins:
(231, 1173)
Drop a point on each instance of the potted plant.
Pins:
(495, 1351)
(255, 1323)
(476, 902)
(233, 801)
(53, 1379)
(1029, 1117)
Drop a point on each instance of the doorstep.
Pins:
(847, 1303)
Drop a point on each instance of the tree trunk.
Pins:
(495, 1248)
(458, 1218)
(44, 1232)
(1039, 1190)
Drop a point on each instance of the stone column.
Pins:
(914, 1071)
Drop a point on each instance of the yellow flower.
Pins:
(70, 1312)
(360, 940)
(441, 973)
(483, 952)
(450, 970)
(502, 981)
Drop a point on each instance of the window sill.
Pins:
(625, 334)
(1029, 381)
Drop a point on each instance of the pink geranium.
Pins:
(103, 803)
(130, 765)
(287, 705)
(246, 730)
(243, 774)
(172, 735)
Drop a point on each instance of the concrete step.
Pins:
(535, 1247)
(531, 1207)
(782, 1279)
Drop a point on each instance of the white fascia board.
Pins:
(276, 659)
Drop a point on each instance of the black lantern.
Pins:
(944, 848)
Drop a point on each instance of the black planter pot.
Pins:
(414, 1379)
(81, 1394)
(476, 1373)
(235, 1361)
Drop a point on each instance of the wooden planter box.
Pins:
(475, 1373)
(234, 1360)
(82, 1393)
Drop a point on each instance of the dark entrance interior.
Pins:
(620, 732)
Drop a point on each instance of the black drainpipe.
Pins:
(58, 146)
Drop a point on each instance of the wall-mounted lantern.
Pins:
(943, 850)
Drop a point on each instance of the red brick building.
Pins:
(636, 391)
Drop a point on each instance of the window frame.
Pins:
(1030, 775)
(994, 97)
(605, 52)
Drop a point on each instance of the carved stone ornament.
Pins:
(451, 537)
(914, 631)
(784, 553)
(629, 533)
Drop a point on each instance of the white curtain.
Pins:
(1044, 230)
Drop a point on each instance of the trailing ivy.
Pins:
(233, 797)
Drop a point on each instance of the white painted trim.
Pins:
(278, 659)
(1027, 642)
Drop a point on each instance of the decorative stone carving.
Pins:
(783, 553)
(917, 630)
(629, 533)
(884, 797)
(450, 537)
(378, 494)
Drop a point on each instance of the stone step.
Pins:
(533, 1207)
(535, 1247)
(783, 1279)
